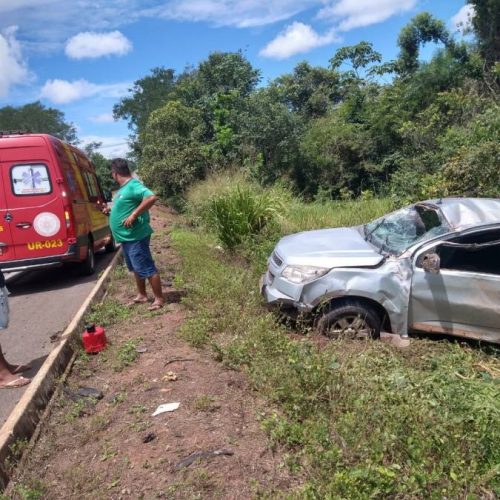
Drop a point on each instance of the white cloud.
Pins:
(102, 118)
(53, 21)
(63, 91)
(92, 45)
(50, 22)
(462, 19)
(296, 38)
(111, 146)
(13, 68)
(239, 13)
(47, 24)
(352, 14)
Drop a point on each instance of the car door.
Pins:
(463, 297)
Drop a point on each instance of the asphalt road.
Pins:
(42, 304)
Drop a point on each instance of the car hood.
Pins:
(340, 247)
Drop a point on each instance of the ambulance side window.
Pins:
(91, 184)
(30, 179)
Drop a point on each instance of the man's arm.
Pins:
(144, 206)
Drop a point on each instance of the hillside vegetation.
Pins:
(403, 128)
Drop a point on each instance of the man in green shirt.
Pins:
(129, 222)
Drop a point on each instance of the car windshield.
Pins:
(398, 231)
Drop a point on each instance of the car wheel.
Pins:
(87, 267)
(111, 246)
(350, 320)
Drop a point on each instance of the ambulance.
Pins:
(50, 205)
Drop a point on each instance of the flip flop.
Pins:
(18, 382)
(155, 307)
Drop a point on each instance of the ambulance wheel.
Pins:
(111, 246)
(87, 267)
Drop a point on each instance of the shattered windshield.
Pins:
(398, 231)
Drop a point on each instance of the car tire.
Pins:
(351, 320)
(111, 246)
(87, 267)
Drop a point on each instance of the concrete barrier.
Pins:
(26, 415)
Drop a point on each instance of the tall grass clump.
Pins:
(241, 213)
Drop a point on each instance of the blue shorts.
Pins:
(138, 257)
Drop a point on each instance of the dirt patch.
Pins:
(114, 448)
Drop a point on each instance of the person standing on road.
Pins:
(129, 222)
(9, 374)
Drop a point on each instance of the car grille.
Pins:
(277, 260)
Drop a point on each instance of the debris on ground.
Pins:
(82, 393)
(186, 462)
(165, 408)
(149, 437)
(170, 376)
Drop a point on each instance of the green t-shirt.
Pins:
(125, 201)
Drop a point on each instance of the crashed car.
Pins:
(430, 267)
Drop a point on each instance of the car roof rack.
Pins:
(14, 132)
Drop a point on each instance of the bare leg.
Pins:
(141, 289)
(155, 283)
(9, 378)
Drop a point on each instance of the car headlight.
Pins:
(303, 274)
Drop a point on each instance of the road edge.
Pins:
(24, 418)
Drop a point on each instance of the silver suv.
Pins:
(432, 267)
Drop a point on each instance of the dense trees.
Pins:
(35, 117)
(486, 24)
(102, 167)
(404, 127)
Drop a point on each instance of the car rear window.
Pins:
(30, 179)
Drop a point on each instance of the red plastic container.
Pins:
(94, 339)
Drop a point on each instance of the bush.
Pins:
(241, 213)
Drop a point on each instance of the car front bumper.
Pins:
(287, 297)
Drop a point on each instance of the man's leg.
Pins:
(141, 289)
(155, 283)
(128, 252)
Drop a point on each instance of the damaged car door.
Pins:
(456, 287)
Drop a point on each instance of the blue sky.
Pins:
(82, 56)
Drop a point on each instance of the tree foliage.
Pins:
(486, 25)
(173, 155)
(102, 167)
(148, 93)
(334, 131)
(37, 118)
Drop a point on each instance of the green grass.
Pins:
(304, 217)
(126, 353)
(108, 312)
(358, 420)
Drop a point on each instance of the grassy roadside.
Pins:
(111, 445)
(359, 420)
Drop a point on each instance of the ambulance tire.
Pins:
(87, 267)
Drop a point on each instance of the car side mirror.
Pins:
(431, 263)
